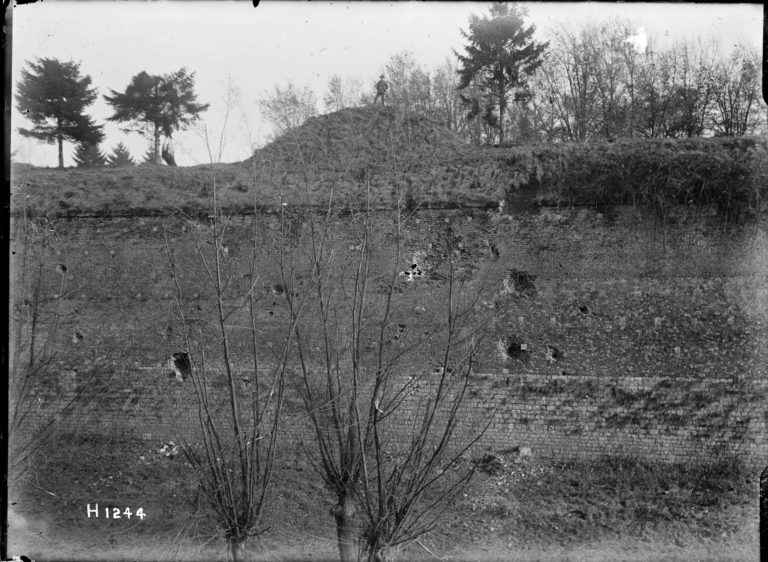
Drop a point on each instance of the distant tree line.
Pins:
(590, 81)
(53, 95)
(595, 84)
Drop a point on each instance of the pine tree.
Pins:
(53, 95)
(500, 56)
(88, 155)
(149, 156)
(156, 105)
(120, 157)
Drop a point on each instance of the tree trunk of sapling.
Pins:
(158, 159)
(343, 512)
(382, 554)
(502, 109)
(235, 549)
(61, 152)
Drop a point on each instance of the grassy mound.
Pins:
(394, 155)
(345, 153)
(363, 137)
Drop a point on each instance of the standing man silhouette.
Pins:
(381, 89)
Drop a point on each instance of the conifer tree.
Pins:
(88, 155)
(149, 156)
(155, 105)
(499, 58)
(120, 157)
(53, 95)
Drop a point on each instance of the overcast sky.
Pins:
(257, 48)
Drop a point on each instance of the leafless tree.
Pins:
(384, 427)
(287, 108)
(38, 287)
(652, 88)
(600, 84)
(343, 92)
(614, 63)
(32, 341)
(234, 464)
(692, 88)
(410, 85)
(447, 102)
(568, 76)
(737, 94)
(544, 113)
(395, 485)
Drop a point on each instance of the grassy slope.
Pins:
(392, 152)
(342, 151)
(136, 190)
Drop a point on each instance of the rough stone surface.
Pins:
(631, 337)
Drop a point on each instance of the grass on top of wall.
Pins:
(405, 155)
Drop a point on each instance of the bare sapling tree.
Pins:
(287, 108)
(396, 488)
(229, 103)
(569, 83)
(328, 390)
(234, 464)
(32, 338)
(342, 92)
(737, 101)
(383, 434)
(34, 334)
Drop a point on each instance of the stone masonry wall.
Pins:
(606, 332)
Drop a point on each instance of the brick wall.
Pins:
(604, 331)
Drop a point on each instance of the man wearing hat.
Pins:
(381, 89)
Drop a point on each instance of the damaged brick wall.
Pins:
(606, 331)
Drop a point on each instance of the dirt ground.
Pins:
(515, 508)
